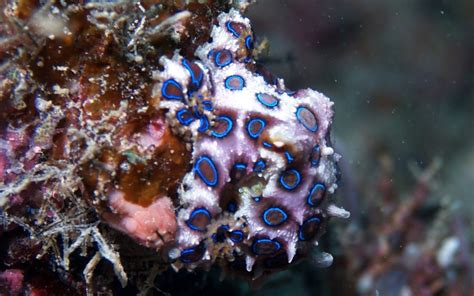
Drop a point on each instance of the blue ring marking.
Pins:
(197, 81)
(228, 25)
(290, 92)
(236, 236)
(274, 209)
(301, 235)
(231, 207)
(266, 144)
(273, 104)
(180, 116)
(226, 62)
(212, 182)
(289, 157)
(276, 246)
(238, 77)
(186, 254)
(257, 198)
(240, 166)
(259, 166)
(207, 105)
(249, 42)
(204, 126)
(230, 124)
(211, 53)
(316, 187)
(315, 156)
(198, 211)
(168, 96)
(297, 182)
(303, 122)
(255, 135)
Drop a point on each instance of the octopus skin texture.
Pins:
(262, 168)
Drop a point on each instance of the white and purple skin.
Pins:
(262, 164)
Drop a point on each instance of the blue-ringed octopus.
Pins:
(262, 171)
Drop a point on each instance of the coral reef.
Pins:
(153, 119)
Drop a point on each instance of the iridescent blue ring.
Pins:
(228, 25)
(236, 236)
(207, 105)
(301, 235)
(238, 87)
(194, 213)
(259, 166)
(313, 128)
(180, 116)
(194, 80)
(228, 128)
(286, 185)
(255, 135)
(204, 124)
(317, 186)
(276, 245)
(168, 96)
(249, 42)
(265, 103)
(289, 157)
(226, 62)
(274, 209)
(186, 253)
(315, 156)
(213, 181)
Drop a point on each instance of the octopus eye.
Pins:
(204, 124)
(192, 254)
(199, 219)
(206, 170)
(223, 127)
(172, 90)
(307, 118)
(234, 82)
(196, 74)
(315, 156)
(316, 194)
(249, 42)
(235, 28)
(255, 127)
(289, 157)
(309, 229)
(290, 179)
(259, 166)
(274, 216)
(267, 100)
(222, 58)
(184, 116)
(265, 246)
(236, 236)
(238, 171)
